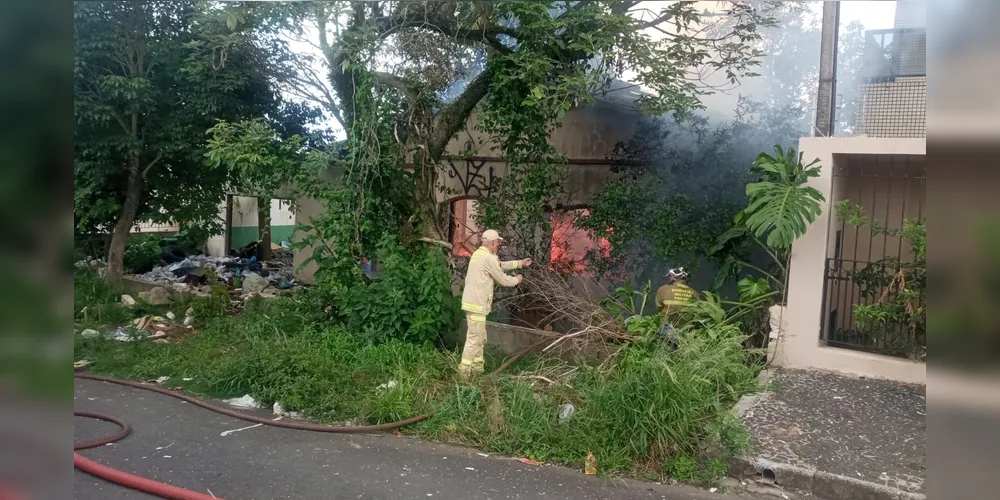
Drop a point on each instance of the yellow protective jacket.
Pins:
(485, 269)
(673, 298)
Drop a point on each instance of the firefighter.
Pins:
(672, 298)
(485, 271)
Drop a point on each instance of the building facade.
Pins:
(882, 168)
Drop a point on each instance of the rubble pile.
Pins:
(156, 328)
(198, 273)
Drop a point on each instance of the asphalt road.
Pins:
(180, 444)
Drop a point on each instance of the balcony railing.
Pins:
(895, 53)
(893, 94)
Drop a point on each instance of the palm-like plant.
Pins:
(780, 208)
(781, 204)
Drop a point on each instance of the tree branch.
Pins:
(453, 116)
(151, 164)
(432, 241)
(386, 26)
(392, 81)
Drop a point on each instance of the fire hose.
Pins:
(173, 492)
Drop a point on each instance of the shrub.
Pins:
(410, 299)
(142, 252)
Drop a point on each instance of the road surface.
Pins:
(183, 445)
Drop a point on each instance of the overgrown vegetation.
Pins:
(895, 319)
(641, 412)
(365, 350)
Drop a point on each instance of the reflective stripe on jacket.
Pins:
(673, 298)
(485, 269)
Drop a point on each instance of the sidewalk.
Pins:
(838, 436)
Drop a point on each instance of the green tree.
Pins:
(524, 64)
(149, 79)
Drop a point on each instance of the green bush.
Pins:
(142, 253)
(410, 299)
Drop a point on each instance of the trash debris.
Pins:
(189, 317)
(470, 468)
(247, 401)
(254, 283)
(388, 385)
(81, 363)
(126, 334)
(528, 461)
(157, 296)
(128, 301)
(713, 490)
(590, 465)
(89, 332)
(171, 316)
(162, 379)
(566, 412)
(483, 455)
(226, 433)
(187, 379)
(281, 412)
(198, 273)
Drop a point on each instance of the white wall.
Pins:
(799, 345)
(245, 212)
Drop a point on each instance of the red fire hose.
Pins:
(173, 492)
(167, 491)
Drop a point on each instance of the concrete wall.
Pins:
(799, 344)
(894, 109)
(587, 132)
(510, 339)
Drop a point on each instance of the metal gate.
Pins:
(891, 190)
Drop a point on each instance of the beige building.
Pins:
(883, 169)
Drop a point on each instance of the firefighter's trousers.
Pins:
(475, 341)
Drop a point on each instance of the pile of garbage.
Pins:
(159, 329)
(199, 273)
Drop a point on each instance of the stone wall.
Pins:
(510, 339)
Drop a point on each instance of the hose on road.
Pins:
(173, 492)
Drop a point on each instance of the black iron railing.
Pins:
(864, 267)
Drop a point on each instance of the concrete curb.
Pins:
(820, 484)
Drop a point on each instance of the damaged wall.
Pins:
(587, 137)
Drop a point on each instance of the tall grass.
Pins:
(649, 409)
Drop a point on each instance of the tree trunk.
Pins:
(119, 237)
(264, 228)
(425, 197)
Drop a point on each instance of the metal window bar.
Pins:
(895, 53)
(891, 190)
